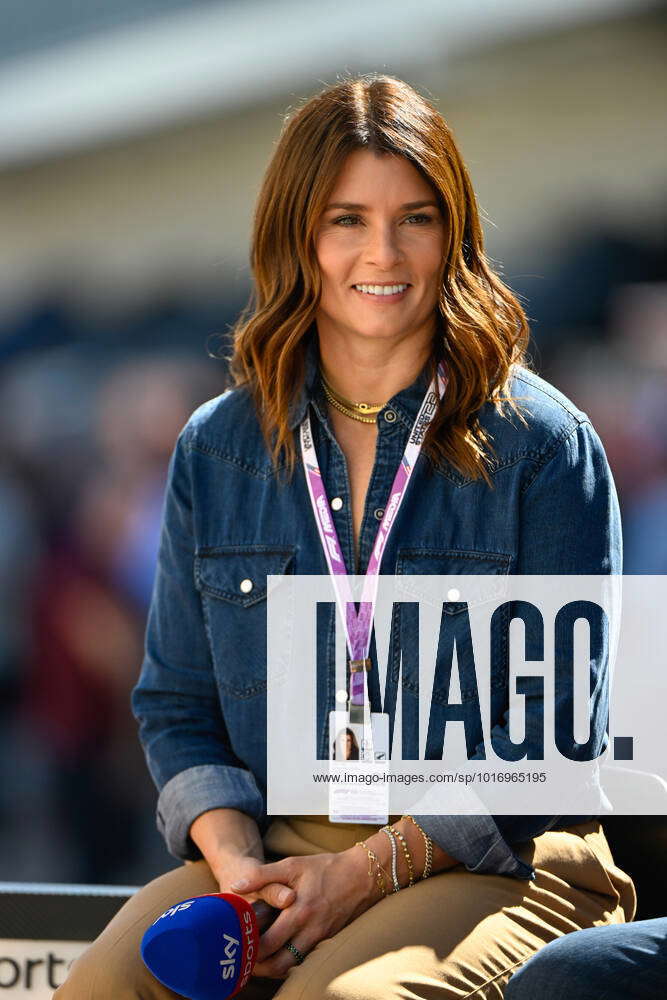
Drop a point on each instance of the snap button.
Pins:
(390, 416)
(246, 586)
(378, 513)
(453, 594)
(336, 503)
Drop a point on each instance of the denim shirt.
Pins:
(201, 698)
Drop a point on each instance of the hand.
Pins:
(331, 890)
(230, 842)
(269, 899)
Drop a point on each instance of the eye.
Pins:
(422, 216)
(350, 220)
(342, 219)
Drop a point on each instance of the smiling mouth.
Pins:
(391, 293)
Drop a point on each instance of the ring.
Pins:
(295, 951)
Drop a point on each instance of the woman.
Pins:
(346, 746)
(369, 270)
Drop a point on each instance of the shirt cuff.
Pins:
(469, 833)
(196, 790)
(477, 843)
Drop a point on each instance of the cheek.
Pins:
(431, 273)
(431, 257)
(333, 280)
(426, 251)
(334, 257)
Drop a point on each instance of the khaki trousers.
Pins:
(456, 934)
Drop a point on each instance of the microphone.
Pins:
(205, 947)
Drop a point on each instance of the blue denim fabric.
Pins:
(201, 696)
(614, 962)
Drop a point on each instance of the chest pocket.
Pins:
(232, 581)
(474, 579)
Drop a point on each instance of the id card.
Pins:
(358, 769)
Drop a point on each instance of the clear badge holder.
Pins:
(358, 768)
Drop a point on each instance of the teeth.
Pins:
(381, 289)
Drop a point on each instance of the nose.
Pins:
(382, 248)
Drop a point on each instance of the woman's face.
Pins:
(382, 226)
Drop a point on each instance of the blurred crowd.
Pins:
(87, 427)
(86, 443)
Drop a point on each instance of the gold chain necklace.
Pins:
(365, 412)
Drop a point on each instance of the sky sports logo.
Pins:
(173, 910)
(229, 964)
(230, 950)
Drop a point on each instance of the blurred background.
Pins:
(133, 139)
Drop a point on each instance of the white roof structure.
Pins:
(126, 79)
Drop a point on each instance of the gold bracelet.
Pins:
(373, 859)
(408, 857)
(428, 858)
(381, 874)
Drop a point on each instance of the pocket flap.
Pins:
(240, 574)
(485, 576)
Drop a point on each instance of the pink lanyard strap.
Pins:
(358, 626)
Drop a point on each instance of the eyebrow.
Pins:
(354, 207)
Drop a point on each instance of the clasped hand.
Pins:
(330, 891)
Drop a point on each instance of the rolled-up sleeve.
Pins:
(194, 791)
(175, 701)
(477, 842)
(570, 524)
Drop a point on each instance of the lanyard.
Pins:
(358, 626)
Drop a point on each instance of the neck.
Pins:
(371, 371)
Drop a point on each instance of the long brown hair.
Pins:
(483, 329)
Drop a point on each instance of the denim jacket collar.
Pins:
(406, 403)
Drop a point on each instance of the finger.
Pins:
(278, 895)
(227, 873)
(285, 927)
(271, 969)
(264, 914)
(252, 881)
(278, 965)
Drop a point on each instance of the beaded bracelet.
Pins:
(394, 856)
(428, 859)
(406, 852)
(373, 859)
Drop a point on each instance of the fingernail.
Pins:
(284, 895)
(240, 884)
